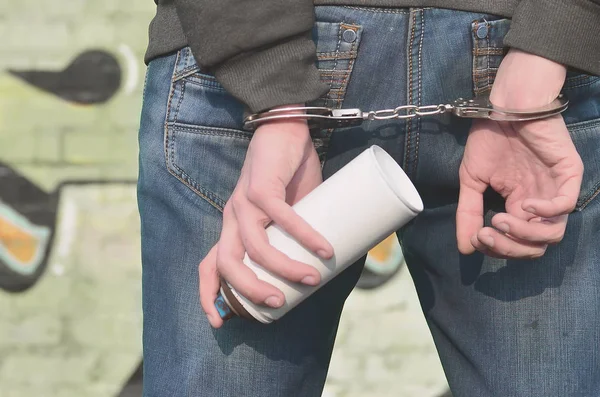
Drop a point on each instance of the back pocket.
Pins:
(205, 145)
(337, 49)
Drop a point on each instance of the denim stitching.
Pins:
(419, 90)
(346, 76)
(484, 72)
(330, 72)
(337, 51)
(475, 50)
(585, 202)
(335, 96)
(192, 184)
(487, 42)
(583, 125)
(489, 51)
(586, 84)
(169, 138)
(168, 116)
(187, 72)
(181, 95)
(187, 56)
(381, 10)
(410, 93)
(214, 85)
(212, 131)
(582, 76)
(337, 55)
(595, 190)
(145, 85)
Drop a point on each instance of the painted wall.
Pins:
(70, 86)
(71, 77)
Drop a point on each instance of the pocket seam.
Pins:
(204, 82)
(584, 201)
(190, 70)
(187, 180)
(587, 81)
(211, 131)
(588, 199)
(169, 141)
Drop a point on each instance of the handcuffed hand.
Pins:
(280, 168)
(534, 165)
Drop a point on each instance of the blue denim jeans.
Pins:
(502, 327)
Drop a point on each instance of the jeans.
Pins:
(502, 327)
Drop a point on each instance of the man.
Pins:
(519, 321)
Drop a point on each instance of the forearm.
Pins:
(260, 50)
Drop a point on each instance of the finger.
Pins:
(285, 217)
(256, 244)
(503, 246)
(209, 287)
(545, 231)
(484, 250)
(563, 203)
(231, 267)
(469, 214)
(556, 206)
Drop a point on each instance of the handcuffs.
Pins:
(477, 108)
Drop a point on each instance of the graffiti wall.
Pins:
(71, 77)
(70, 84)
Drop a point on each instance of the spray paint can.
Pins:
(355, 209)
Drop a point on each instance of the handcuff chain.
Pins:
(407, 112)
(476, 108)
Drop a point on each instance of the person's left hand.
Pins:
(534, 165)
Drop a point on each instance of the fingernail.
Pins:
(273, 301)
(474, 242)
(323, 254)
(210, 318)
(530, 209)
(503, 227)
(487, 240)
(309, 280)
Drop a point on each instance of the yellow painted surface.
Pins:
(18, 242)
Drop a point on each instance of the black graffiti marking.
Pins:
(38, 207)
(93, 77)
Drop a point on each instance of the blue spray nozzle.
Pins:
(223, 308)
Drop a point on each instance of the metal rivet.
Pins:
(349, 35)
(482, 31)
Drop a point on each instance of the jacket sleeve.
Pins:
(565, 31)
(261, 51)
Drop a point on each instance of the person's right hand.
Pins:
(280, 168)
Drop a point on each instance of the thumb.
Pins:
(469, 214)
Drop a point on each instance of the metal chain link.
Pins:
(473, 108)
(408, 112)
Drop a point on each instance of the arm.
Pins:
(565, 31)
(261, 51)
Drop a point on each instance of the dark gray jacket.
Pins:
(262, 52)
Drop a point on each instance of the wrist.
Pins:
(527, 81)
(293, 127)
